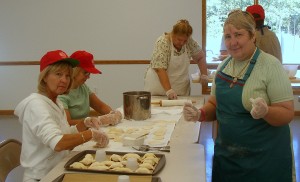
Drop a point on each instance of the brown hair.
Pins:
(241, 20)
(63, 65)
(182, 27)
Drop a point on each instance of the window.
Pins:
(281, 15)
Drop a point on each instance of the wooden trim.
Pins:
(296, 90)
(205, 88)
(28, 63)
(103, 62)
(6, 112)
(92, 113)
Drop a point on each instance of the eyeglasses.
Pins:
(86, 73)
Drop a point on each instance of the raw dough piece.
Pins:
(78, 165)
(108, 163)
(154, 159)
(100, 168)
(131, 155)
(97, 164)
(147, 127)
(149, 161)
(147, 165)
(116, 164)
(160, 132)
(122, 169)
(149, 155)
(131, 130)
(88, 159)
(115, 158)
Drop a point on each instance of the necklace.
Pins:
(235, 77)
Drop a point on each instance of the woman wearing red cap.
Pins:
(252, 100)
(266, 40)
(80, 99)
(47, 137)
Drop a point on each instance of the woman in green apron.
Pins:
(252, 100)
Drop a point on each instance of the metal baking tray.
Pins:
(158, 167)
(79, 177)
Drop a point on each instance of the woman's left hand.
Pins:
(113, 118)
(259, 108)
(203, 78)
(92, 122)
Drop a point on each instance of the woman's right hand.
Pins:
(171, 94)
(100, 137)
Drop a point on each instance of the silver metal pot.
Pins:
(137, 105)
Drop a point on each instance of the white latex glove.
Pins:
(190, 112)
(117, 115)
(204, 78)
(259, 108)
(171, 94)
(113, 118)
(92, 122)
(100, 137)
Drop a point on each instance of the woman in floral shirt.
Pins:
(168, 72)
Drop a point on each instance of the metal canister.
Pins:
(137, 105)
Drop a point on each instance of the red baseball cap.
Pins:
(256, 9)
(86, 60)
(56, 56)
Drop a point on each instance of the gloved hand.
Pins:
(204, 78)
(259, 108)
(113, 118)
(117, 115)
(100, 137)
(92, 122)
(171, 94)
(190, 112)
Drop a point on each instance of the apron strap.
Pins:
(252, 63)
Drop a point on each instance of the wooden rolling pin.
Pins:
(166, 103)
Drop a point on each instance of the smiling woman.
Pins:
(247, 106)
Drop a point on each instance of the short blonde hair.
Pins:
(76, 71)
(42, 86)
(182, 27)
(241, 20)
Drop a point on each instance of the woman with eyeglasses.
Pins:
(168, 72)
(252, 100)
(80, 99)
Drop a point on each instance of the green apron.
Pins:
(246, 149)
